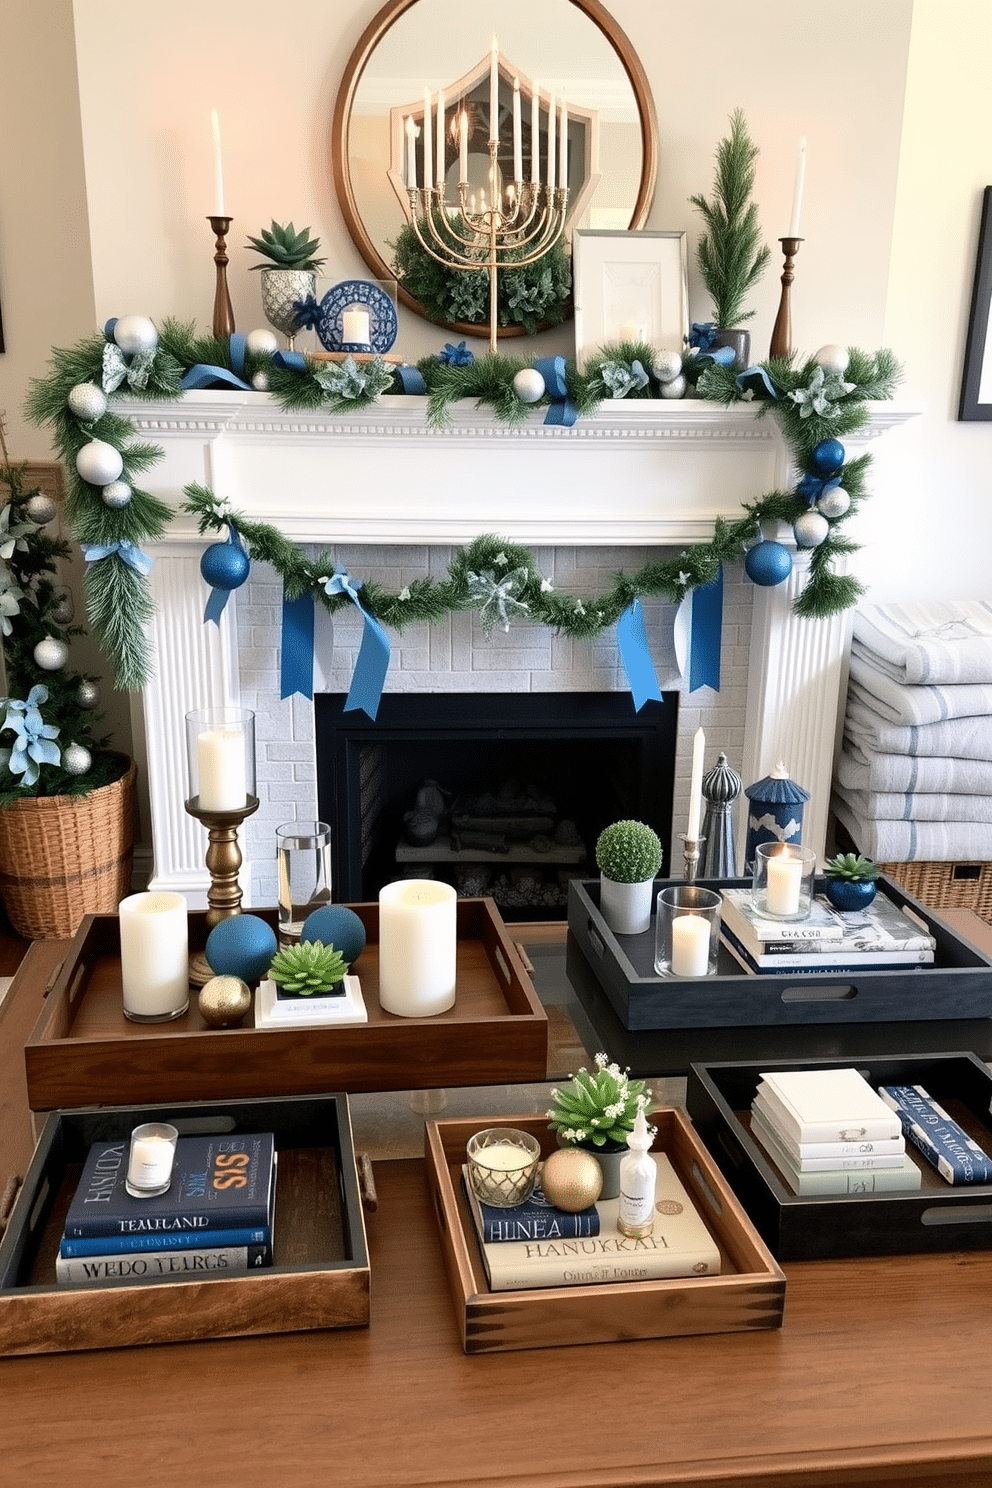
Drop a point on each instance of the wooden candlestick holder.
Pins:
(223, 322)
(782, 330)
(223, 863)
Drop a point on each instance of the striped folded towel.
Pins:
(900, 703)
(934, 642)
(861, 768)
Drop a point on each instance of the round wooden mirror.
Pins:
(413, 47)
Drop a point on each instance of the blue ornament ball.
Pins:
(339, 926)
(767, 564)
(241, 946)
(827, 457)
(225, 566)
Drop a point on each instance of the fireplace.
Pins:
(496, 793)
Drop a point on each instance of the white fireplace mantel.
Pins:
(634, 473)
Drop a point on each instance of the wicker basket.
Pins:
(65, 856)
(946, 885)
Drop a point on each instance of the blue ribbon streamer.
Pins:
(723, 356)
(296, 666)
(636, 657)
(127, 552)
(217, 598)
(756, 380)
(562, 411)
(412, 381)
(812, 487)
(295, 361)
(203, 375)
(373, 654)
(707, 634)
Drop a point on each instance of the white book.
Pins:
(798, 1150)
(827, 1105)
(906, 1178)
(852, 1162)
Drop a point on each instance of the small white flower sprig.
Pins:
(598, 1106)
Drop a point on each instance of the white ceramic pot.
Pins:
(626, 907)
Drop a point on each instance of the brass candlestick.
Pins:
(223, 323)
(782, 330)
(223, 863)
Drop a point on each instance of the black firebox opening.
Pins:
(501, 794)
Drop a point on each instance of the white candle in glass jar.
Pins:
(503, 1157)
(785, 872)
(355, 327)
(220, 759)
(418, 938)
(690, 946)
(154, 954)
(153, 1150)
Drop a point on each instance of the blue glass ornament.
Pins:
(827, 457)
(339, 926)
(225, 565)
(241, 946)
(768, 563)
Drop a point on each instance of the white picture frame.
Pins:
(629, 286)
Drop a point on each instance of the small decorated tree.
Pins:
(730, 254)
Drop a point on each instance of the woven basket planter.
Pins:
(62, 857)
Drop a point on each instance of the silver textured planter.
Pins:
(282, 289)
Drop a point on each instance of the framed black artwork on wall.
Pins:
(976, 384)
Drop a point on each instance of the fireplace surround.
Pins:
(391, 499)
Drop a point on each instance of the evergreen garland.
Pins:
(499, 579)
(729, 252)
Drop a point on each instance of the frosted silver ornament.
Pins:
(135, 333)
(87, 402)
(99, 463)
(834, 503)
(260, 382)
(810, 529)
(87, 694)
(528, 384)
(62, 608)
(675, 387)
(76, 759)
(116, 495)
(832, 359)
(262, 341)
(41, 508)
(51, 654)
(667, 365)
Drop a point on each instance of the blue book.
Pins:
(104, 1245)
(944, 1144)
(219, 1182)
(535, 1219)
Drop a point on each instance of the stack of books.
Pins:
(537, 1245)
(829, 1132)
(215, 1219)
(879, 937)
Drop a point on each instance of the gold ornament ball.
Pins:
(223, 1001)
(571, 1179)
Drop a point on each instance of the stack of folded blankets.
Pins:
(914, 776)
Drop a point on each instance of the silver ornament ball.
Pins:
(528, 384)
(834, 503)
(260, 382)
(99, 463)
(41, 508)
(116, 495)
(62, 609)
(86, 401)
(262, 341)
(135, 333)
(832, 359)
(675, 387)
(667, 365)
(76, 759)
(87, 694)
(51, 654)
(810, 529)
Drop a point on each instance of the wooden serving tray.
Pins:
(320, 1272)
(84, 1051)
(749, 1293)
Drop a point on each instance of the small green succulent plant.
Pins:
(599, 1106)
(307, 968)
(282, 247)
(852, 867)
(628, 852)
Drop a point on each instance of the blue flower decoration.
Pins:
(456, 356)
(702, 334)
(33, 744)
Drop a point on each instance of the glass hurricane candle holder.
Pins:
(687, 931)
(220, 758)
(502, 1165)
(783, 882)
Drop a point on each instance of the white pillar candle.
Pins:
(154, 955)
(440, 140)
(493, 92)
(428, 143)
(220, 758)
(418, 939)
(411, 153)
(696, 785)
(535, 134)
(518, 148)
(563, 147)
(551, 143)
(218, 165)
(797, 192)
(785, 872)
(355, 327)
(690, 946)
(463, 147)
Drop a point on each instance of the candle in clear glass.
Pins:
(784, 876)
(220, 747)
(355, 326)
(690, 946)
(150, 1160)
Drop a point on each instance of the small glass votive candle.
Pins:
(149, 1165)
(687, 931)
(220, 753)
(502, 1165)
(783, 883)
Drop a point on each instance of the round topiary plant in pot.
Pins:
(628, 855)
(849, 880)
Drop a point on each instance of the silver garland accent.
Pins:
(496, 599)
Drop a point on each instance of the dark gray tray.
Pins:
(958, 986)
(940, 1216)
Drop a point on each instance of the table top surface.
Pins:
(879, 1375)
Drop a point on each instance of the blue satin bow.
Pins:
(373, 654)
(702, 334)
(127, 552)
(812, 487)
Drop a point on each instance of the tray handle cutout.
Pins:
(594, 940)
(704, 1188)
(958, 1214)
(815, 993)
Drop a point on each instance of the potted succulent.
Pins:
(730, 254)
(628, 855)
(308, 969)
(596, 1111)
(850, 880)
(289, 273)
